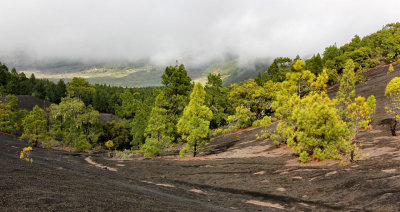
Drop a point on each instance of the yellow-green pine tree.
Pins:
(195, 121)
(393, 93)
(35, 126)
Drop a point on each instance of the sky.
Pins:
(193, 31)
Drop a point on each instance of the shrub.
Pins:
(218, 131)
(151, 147)
(318, 154)
(391, 69)
(304, 157)
(109, 144)
(124, 154)
(26, 154)
(82, 145)
(242, 118)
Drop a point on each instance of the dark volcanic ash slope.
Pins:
(28, 102)
(374, 83)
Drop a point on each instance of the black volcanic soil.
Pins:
(28, 102)
(236, 172)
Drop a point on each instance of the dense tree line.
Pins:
(151, 119)
(366, 52)
(15, 83)
(103, 98)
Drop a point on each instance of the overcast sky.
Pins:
(192, 31)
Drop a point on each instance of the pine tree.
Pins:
(216, 99)
(177, 88)
(347, 91)
(128, 107)
(242, 118)
(4, 75)
(175, 96)
(356, 112)
(315, 64)
(35, 126)
(60, 91)
(392, 91)
(251, 96)
(160, 129)
(89, 124)
(330, 57)
(195, 121)
(6, 117)
(71, 118)
(10, 114)
(359, 114)
(278, 69)
(138, 125)
(80, 88)
(313, 124)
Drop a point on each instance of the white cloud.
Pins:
(190, 31)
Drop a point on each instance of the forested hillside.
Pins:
(138, 74)
(293, 91)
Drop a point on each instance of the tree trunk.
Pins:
(47, 122)
(299, 88)
(393, 127)
(195, 149)
(36, 140)
(352, 156)
(353, 141)
(295, 137)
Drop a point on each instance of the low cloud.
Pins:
(196, 32)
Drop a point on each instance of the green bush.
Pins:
(318, 154)
(218, 131)
(82, 145)
(304, 157)
(151, 147)
(390, 57)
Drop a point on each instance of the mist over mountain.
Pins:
(140, 73)
(68, 36)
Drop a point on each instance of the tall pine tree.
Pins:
(160, 130)
(35, 127)
(195, 121)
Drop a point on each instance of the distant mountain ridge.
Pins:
(132, 74)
